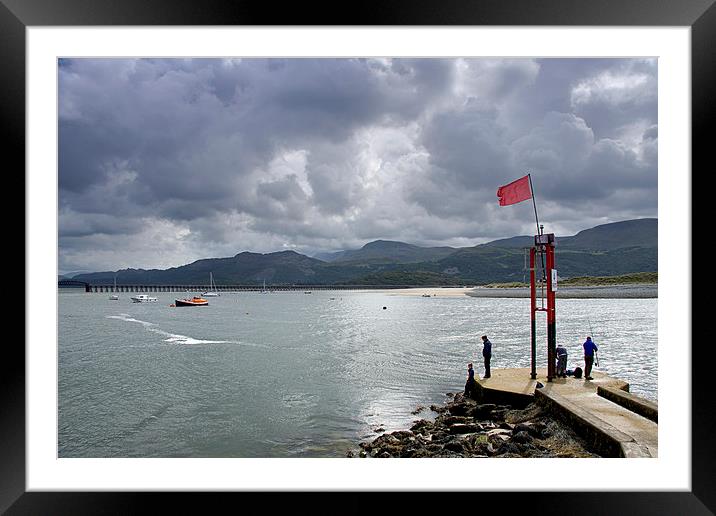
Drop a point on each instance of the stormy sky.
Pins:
(166, 161)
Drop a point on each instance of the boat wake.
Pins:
(175, 338)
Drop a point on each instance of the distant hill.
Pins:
(386, 251)
(616, 235)
(606, 250)
(244, 268)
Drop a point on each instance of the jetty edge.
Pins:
(513, 416)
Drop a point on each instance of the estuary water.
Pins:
(289, 374)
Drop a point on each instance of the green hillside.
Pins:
(611, 249)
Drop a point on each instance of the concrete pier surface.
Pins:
(611, 429)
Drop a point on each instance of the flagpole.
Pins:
(539, 232)
(534, 204)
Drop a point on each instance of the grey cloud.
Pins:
(221, 155)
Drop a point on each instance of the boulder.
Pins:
(455, 446)
(498, 431)
(521, 437)
(462, 428)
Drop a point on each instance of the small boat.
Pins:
(264, 291)
(427, 295)
(194, 301)
(307, 292)
(143, 298)
(212, 288)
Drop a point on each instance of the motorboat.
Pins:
(194, 301)
(143, 298)
(212, 288)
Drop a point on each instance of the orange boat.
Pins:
(194, 301)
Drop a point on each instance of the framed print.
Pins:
(63, 60)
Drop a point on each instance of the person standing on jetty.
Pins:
(486, 354)
(470, 384)
(561, 361)
(589, 349)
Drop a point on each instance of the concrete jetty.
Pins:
(612, 421)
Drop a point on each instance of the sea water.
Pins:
(289, 374)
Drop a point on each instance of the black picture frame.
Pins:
(700, 15)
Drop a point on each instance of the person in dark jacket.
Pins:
(470, 384)
(589, 349)
(486, 354)
(561, 361)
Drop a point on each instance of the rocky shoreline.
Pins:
(466, 428)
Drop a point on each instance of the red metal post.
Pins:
(533, 312)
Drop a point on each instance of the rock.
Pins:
(418, 410)
(483, 411)
(455, 446)
(462, 428)
(498, 431)
(402, 434)
(437, 409)
(349, 454)
(499, 414)
(521, 437)
(523, 427)
(508, 448)
(422, 426)
(452, 420)
(362, 454)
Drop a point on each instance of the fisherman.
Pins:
(589, 349)
(470, 384)
(561, 361)
(486, 354)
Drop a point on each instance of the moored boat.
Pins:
(212, 288)
(194, 301)
(143, 298)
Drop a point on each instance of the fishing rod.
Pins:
(596, 352)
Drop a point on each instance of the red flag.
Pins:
(516, 191)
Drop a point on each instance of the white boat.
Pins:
(212, 288)
(143, 298)
(114, 297)
(264, 291)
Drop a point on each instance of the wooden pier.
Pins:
(90, 288)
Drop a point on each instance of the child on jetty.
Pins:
(470, 384)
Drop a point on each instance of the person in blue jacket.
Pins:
(589, 349)
(486, 354)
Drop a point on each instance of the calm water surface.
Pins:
(289, 374)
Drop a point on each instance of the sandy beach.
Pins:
(428, 291)
(596, 292)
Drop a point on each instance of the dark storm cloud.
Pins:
(211, 157)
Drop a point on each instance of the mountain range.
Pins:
(609, 249)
